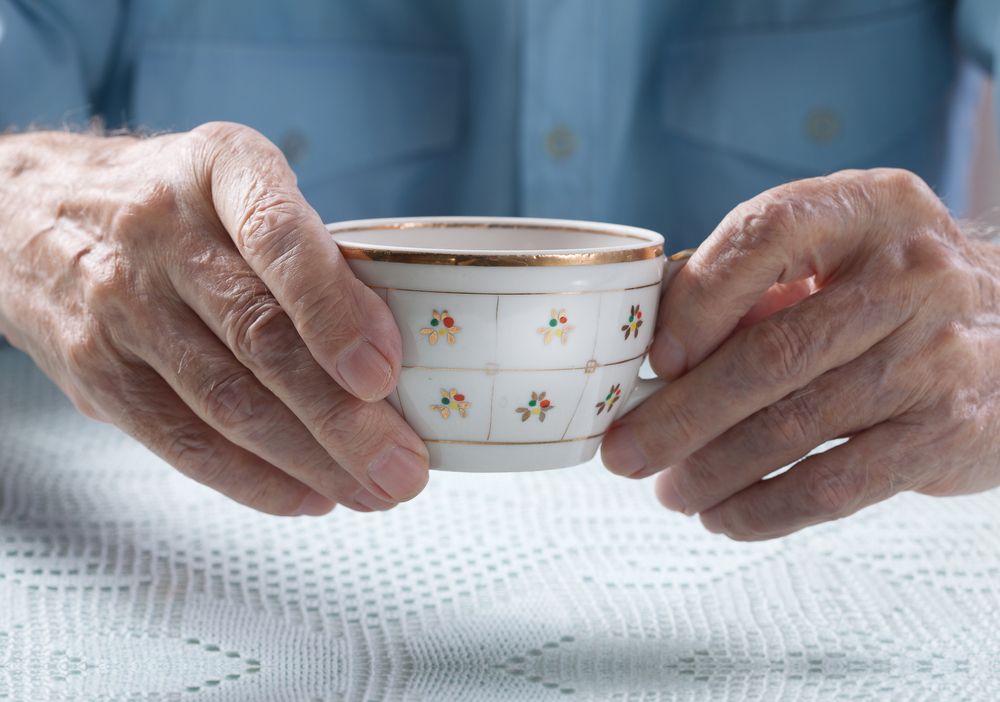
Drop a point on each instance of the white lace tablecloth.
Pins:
(122, 580)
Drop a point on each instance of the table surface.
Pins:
(120, 579)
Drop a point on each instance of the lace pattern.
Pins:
(121, 580)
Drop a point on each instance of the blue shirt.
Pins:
(658, 113)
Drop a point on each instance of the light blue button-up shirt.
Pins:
(659, 113)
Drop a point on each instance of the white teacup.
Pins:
(522, 338)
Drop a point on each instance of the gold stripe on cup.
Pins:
(595, 291)
(513, 443)
(514, 259)
(591, 258)
(494, 371)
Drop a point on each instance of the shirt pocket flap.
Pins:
(810, 100)
(331, 109)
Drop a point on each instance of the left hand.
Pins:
(844, 306)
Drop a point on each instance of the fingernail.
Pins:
(370, 501)
(365, 371)
(621, 453)
(668, 356)
(400, 473)
(667, 493)
(314, 505)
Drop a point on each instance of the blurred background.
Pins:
(984, 191)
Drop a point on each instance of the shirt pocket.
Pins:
(807, 101)
(333, 110)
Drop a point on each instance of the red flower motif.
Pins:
(631, 327)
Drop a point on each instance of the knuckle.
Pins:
(214, 140)
(831, 491)
(697, 481)
(155, 205)
(232, 136)
(851, 193)
(901, 183)
(153, 201)
(350, 425)
(259, 332)
(209, 142)
(671, 419)
(764, 221)
(109, 282)
(790, 423)
(950, 339)
(220, 130)
(905, 191)
(326, 311)
(84, 402)
(190, 451)
(231, 402)
(780, 351)
(271, 219)
(85, 353)
(158, 199)
(931, 256)
(947, 379)
(263, 495)
(925, 268)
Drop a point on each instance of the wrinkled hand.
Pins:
(845, 306)
(181, 288)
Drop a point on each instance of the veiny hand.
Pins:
(181, 288)
(850, 305)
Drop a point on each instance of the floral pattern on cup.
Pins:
(557, 327)
(608, 402)
(538, 405)
(451, 401)
(442, 325)
(633, 323)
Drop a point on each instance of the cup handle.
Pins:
(644, 388)
(647, 387)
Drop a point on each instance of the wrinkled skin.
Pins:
(181, 288)
(845, 306)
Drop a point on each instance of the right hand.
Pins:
(181, 288)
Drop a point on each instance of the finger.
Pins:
(368, 439)
(799, 230)
(151, 412)
(755, 368)
(346, 326)
(869, 468)
(842, 402)
(227, 397)
(778, 297)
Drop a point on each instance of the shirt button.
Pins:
(823, 125)
(294, 145)
(560, 142)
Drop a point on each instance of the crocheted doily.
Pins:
(122, 580)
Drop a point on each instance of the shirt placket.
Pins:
(561, 77)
